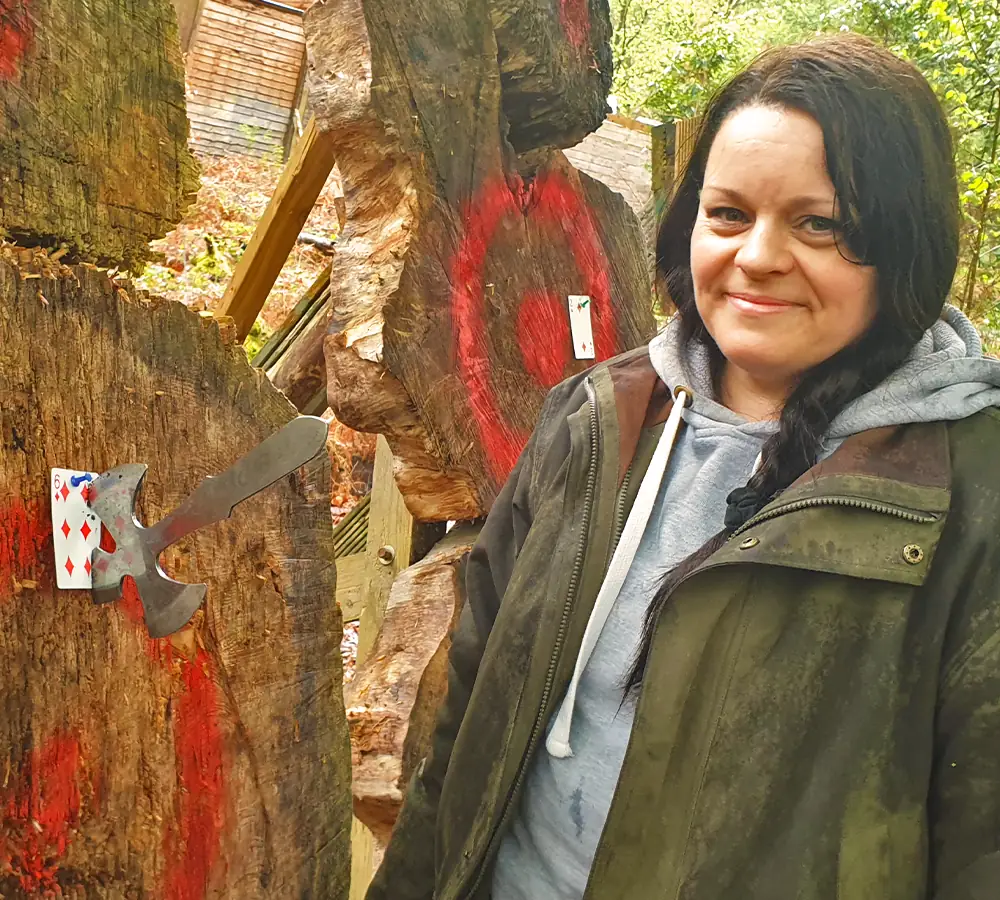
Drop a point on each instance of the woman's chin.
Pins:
(760, 362)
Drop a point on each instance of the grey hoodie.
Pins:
(548, 852)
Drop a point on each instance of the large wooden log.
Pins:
(93, 130)
(450, 285)
(393, 700)
(214, 764)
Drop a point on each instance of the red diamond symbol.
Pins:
(64, 491)
(65, 528)
(86, 567)
(85, 531)
(69, 566)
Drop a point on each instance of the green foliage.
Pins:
(670, 59)
(258, 337)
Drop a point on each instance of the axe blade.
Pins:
(168, 604)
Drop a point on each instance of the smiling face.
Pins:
(771, 285)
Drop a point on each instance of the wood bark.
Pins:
(93, 130)
(450, 285)
(215, 763)
(392, 702)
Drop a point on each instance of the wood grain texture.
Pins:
(93, 133)
(210, 765)
(449, 289)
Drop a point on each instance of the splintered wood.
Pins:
(214, 764)
(451, 282)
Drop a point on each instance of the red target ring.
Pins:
(559, 208)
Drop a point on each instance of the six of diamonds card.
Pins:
(76, 530)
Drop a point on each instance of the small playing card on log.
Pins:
(76, 531)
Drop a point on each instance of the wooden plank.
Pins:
(278, 50)
(295, 323)
(260, 16)
(207, 113)
(222, 107)
(224, 88)
(303, 178)
(351, 579)
(390, 526)
(258, 21)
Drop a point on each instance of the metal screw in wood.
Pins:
(386, 555)
(913, 554)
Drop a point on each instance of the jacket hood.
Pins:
(946, 377)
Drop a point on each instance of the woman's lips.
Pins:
(757, 304)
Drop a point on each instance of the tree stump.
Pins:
(451, 282)
(93, 129)
(394, 697)
(215, 763)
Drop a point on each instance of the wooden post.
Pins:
(302, 179)
(387, 552)
(685, 134)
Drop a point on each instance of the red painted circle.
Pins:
(560, 209)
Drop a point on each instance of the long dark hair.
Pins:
(889, 156)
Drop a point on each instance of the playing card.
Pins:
(76, 530)
(581, 326)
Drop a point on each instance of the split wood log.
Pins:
(93, 130)
(555, 69)
(215, 763)
(393, 700)
(451, 282)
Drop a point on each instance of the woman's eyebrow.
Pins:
(800, 202)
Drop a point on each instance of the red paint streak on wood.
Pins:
(562, 213)
(25, 544)
(575, 18)
(16, 31)
(40, 812)
(192, 842)
(192, 846)
(541, 322)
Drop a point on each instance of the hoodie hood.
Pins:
(946, 377)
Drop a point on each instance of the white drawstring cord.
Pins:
(557, 742)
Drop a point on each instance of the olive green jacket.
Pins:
(820, 715)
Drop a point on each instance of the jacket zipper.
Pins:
(620, 510)
(574, 586)
(899, 512)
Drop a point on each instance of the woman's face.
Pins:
(770, 283)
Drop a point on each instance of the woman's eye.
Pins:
(728, 215)
(820, 225)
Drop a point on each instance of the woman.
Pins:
(745, 642)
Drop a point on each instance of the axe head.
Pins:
(168, 604)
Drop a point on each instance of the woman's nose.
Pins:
(764, 250)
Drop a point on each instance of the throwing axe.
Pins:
(169, 604)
